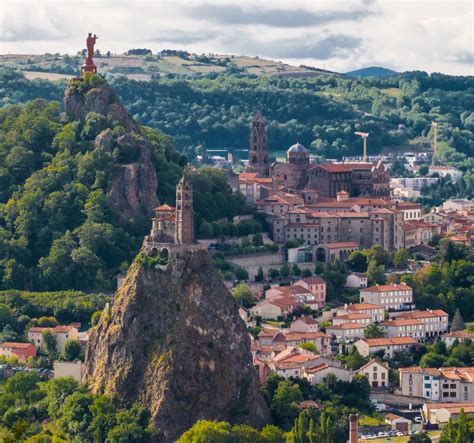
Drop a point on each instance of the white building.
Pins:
(388, 346)
(346, 331)
(391, 297)
(435, 321)
(404, 327)
(319, 373)
(356, 280)
(376, 373)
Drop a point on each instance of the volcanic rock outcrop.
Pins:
(133, 188)
(173, 340)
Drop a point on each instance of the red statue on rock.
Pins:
(88, 65)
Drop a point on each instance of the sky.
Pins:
(434, 36)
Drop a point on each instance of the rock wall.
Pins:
(133, 189)
(174, 341)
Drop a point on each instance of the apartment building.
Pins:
(435, 321)
(449, 385)
(386, 346)
(392, 297)
(376, 312)
(404, 327)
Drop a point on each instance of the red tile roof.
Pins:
(341, 245)
(372, 342)
(165, 207)
(15, 345)
(346, 326)
(387, 288)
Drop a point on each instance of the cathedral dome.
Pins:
(297, 148)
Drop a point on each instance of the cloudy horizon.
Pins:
(434, 36)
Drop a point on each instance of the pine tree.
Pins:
(458, 323)
(463, 433)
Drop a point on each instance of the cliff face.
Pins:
(133, 189)
(173, 340)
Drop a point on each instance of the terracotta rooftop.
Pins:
(372, 342)
(314, 280)
(387, 288)
(15, 345)
(423, 314)
(363, 307)
(354, 316)
(402, 322)
(341, 245)
(165, 207)
(347, 326)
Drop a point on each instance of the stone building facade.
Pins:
(258, 149)
(173, 227)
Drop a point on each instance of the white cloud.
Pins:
(339, 35)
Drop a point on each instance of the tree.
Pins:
(284, 404)
(273, 273)
(463, 434)
(378, 254)
(296, 271)
(400, 260)
(373, 331)
(285, 270)
(75, 415)
(72, 350)
(49, 342)
(257, 240)
(206, 230)
(354, 360)
(432, 360)
(307, 273)
(259, 277)
(375, 273)
(325, 434)
(272, 434)
(243, 295)
(241, 274)
(299, 432)
(458, 323)
(358, 261)
(423, 437)
(309, 347)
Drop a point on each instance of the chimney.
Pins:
(354, 428)
(342, 196)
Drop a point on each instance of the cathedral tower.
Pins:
(258, 151)
(184, 212)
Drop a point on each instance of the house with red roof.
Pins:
(22, 351)
(388, 346)
(392, 297)
(61, 332)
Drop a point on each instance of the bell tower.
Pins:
(184, 212)
(258, 151)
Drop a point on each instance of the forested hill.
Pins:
(71, 216)
(322, 112)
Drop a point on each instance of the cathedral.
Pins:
(326, 179)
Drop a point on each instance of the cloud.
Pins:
(229, 14)
(467, 57)
(183, 37)
(339, 45)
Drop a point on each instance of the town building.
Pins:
(376, 373)
(277, 307)
(376, 312)
(444, 171)
(404, 327)
(461, 336)
(356, 280)
(441, 414)
(357, 317)
(417, 232)
(319, 373)
(394, 297)
(443, 384)
(304, 323)
(279, 203)
(435, 321)
(317, 286)
(22, 351)
(346, 332)
(385, 346)
(74, 369)
(253, 187)
(60, 332)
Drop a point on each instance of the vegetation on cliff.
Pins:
(66, 221)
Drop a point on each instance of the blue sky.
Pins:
(337, 35)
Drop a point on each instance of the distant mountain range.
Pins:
(372, 71)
